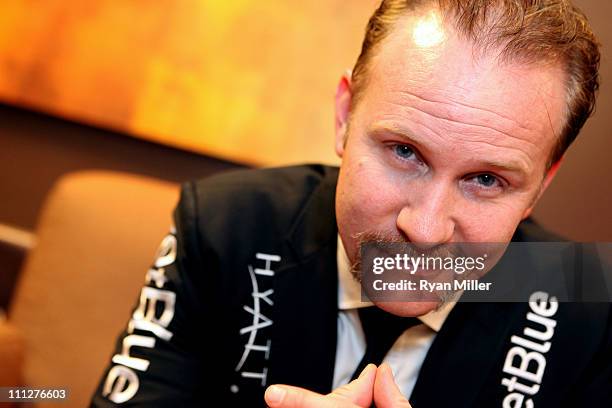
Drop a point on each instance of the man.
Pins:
(450, 127)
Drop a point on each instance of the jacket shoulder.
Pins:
(252, 203)
(531, 231)
(243, 194)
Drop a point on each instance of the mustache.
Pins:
(387, 239)
(384, 239)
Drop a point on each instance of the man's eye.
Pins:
(403, 151)
(487, 180)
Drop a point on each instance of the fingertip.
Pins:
(383, 370)
(384, 378)
(367, 370)
(359, 391)
(386, 391)
(275, 395)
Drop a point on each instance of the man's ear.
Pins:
(548, 178)
(343, 107)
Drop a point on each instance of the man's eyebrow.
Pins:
(398, 131)
(513, 166)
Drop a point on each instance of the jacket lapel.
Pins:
(305, 292)
(473, 340)
(464, 355)
(304, 335)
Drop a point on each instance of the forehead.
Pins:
(425, 63)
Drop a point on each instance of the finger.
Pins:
(287, 396)
(386, 392)
(359, 391)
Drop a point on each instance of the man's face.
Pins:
(443, 146)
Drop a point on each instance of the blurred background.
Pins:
(174, 90)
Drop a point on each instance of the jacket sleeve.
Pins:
(157, 359)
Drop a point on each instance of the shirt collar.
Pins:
(349, 293)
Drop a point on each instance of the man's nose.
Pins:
(427, 219)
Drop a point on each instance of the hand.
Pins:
(357, 393)
(373, 385)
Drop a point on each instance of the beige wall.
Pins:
(579, 202)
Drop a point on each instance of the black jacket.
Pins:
(251, 300)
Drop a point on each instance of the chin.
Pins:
(408, 309)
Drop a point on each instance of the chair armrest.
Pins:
(12, 350)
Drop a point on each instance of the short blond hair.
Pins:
(527, 31)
